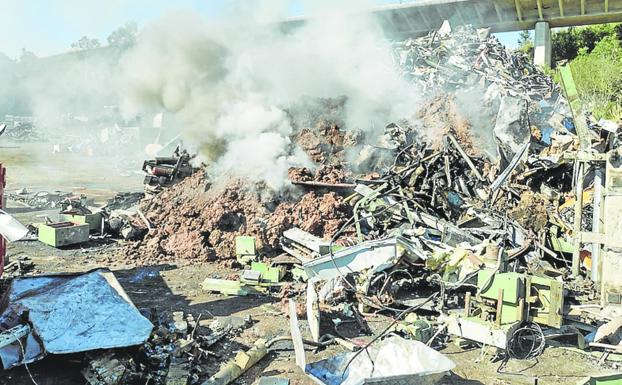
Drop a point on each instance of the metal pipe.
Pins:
(578, 211)
(324, 184)
(596, 218)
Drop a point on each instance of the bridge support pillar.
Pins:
(542, 44)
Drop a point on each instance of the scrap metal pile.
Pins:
(476, 217)
(462, 224)
(165, 171)
(21, 129)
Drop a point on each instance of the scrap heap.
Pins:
(21, 129)
(166, 171)
(463, 221)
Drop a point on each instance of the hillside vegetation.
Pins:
(595, 57)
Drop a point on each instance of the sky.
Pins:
(48, 27)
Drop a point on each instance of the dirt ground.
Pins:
(174, 287)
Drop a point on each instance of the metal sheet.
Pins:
(73, 313)
(377, 255)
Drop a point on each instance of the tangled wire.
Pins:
(526, 342)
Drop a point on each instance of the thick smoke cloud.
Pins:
(229, 84)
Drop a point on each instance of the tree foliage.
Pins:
(124, 36)
(598, 76)
(568, 42)
(27, 56)
(525, 42)
(85, 43)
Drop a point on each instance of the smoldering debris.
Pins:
(22, 129)
(436, 227)
(192, 224)
(465, 219)
(164, 172)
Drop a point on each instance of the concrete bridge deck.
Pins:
(420, 16)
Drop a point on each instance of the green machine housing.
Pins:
(521, 297)
(93, 220)
(63, 233)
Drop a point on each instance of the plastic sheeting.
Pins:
(394, 361)
(70, 314)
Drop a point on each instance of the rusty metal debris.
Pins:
(166, 171)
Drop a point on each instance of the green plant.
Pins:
(598, 76)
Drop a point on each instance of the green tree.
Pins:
(525, 42)
(27, 56)
(85, 43)
(124, 36)
(598, 76)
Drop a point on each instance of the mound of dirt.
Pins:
(441, 116)
(196, 223)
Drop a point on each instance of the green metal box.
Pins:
(63, 233)
(511, 283)
(93, 220)
(244, 245)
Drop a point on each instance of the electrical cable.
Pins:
(350, 222)
(24, 355)
(526, 342)
(386, 330)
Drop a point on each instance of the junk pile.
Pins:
(487, 220)
(166, 171)
(496, 225)
(21, 128)
(79, 220)
(38, 200)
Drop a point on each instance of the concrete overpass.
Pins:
(420, 16)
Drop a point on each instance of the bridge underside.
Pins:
(405, 20)
(401, 21)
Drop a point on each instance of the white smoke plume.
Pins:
(230, 83)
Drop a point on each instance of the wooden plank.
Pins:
(521, 309)
(299, 348)
(561, 8)
(592, 237)
(540, 15)
(313, 312)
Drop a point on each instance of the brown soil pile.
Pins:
(317, 123)
(192, 224)
(320, 144)
(324, 173)
(441, 116)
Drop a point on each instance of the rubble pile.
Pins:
(39, 199)
(22, 129)
(480, 218)
(198, 225)
(466, 57)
